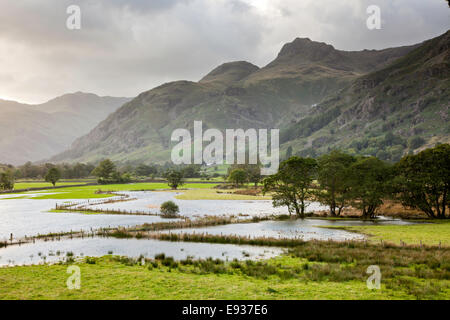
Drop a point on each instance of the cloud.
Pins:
(126, 47)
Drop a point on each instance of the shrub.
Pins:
(169, 209)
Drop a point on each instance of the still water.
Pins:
(28, 217)
(54, 251)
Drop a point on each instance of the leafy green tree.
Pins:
(192, 171)
(117, 177)
(53, 175)
(174, 178)
(105, 170)
(144, 170)
(368, 183)
(254, 174)
(238, 177)
(292, 185)
(7, 180)
(423, 181)
(333, 178)
(169, 209)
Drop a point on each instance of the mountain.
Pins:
(234, 95)
(35, 132)
(401, 108)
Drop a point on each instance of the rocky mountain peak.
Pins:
(306, 48)
(230, 72)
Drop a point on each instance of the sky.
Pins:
(127, 47)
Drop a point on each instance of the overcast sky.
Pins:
(127, 47)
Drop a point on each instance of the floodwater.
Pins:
(28, 217)
(55, 251)
(149, 201)
(307, 229)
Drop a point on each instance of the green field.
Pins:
(285, 277)
(216, 179)
(427, 233)
(27, 185)
(89, 192)
(214, 194)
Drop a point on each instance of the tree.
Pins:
(291, 185)
(53, 175)
(238, 177)
(117, 177)
(254, 174)
(105, 170)
(191, 171)
(333, 178)
(174, 178)
(423, 181)
(252, 171)
(169, 209)
(145, 170)
(368, 178)
(7, 180)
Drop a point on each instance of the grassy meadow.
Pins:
(28, 185)
(312, 271)
(429, 233)
(214, 194)
(89, 192)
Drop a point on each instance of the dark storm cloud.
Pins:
(126, 47)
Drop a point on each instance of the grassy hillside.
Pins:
(401, 108)
(36, 132)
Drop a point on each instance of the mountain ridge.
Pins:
(31, 132)
(277, 95)
(407, 100)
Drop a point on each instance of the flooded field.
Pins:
(55, 251)
(28, 217)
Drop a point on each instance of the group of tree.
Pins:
(107, 173)
(6, 180)
(240, 174)
(39, 171)
(8, 177)
(422, 181)
(339, 180)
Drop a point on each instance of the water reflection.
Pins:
(54, 251)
